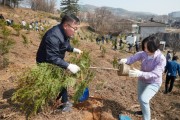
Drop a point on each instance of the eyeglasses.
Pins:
(75, 28)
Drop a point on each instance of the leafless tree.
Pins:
(100, 19)
(11, 3)
(174, 42)
(103, 21)
(43, 5)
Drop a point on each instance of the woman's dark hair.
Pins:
(69, 18)
(175, 58)
(152, 43)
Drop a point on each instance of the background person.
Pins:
(171, 70)
(168, 56)
(149, 76)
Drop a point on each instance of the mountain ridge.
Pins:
(116, 11)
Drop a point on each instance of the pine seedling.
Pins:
(103, 50)
(42, 83)
(6, 32)
(115, 62)
(85, 76)
(25, 40)
(17, 27)
(37, 86)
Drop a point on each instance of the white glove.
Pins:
(122, 61)
(135, 73)
(73, 68)
(77, 50)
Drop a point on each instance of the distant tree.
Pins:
(11, 3)
(70, 6)
(101, 20)
(174, 42)
(43, 5)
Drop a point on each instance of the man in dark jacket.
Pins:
(53, 47)
(171, 69)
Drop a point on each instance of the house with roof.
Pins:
(148, 28)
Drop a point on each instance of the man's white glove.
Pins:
(73, 68)
(135, 73)
(122, 61)
(77, 50)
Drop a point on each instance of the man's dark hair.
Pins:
(152, 43)
(175, 58)
(69, 18)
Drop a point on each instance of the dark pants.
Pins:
(170, 79)
(64, 95)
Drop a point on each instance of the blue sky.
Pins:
(154, 6)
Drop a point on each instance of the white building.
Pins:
(149, 28)
(174, 14)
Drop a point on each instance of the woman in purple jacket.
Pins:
(149, 76)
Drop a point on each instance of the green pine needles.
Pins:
(41, 84)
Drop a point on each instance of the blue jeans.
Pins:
(145, 93)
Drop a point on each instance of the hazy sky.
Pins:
(154, 6)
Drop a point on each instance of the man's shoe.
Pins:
(67, 107)
(138, 113)
(68, 104)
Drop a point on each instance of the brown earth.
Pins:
(111, 94)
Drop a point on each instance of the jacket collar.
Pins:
(63, 32)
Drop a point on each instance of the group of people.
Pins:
(8, 21)
(35, 25)
(56, 42)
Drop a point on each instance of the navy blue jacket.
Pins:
(53, 47)
(172, 68)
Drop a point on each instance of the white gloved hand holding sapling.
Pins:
(73, 68)
(77, 51)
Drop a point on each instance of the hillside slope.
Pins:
(111, 94)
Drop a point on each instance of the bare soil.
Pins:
(110, 94)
